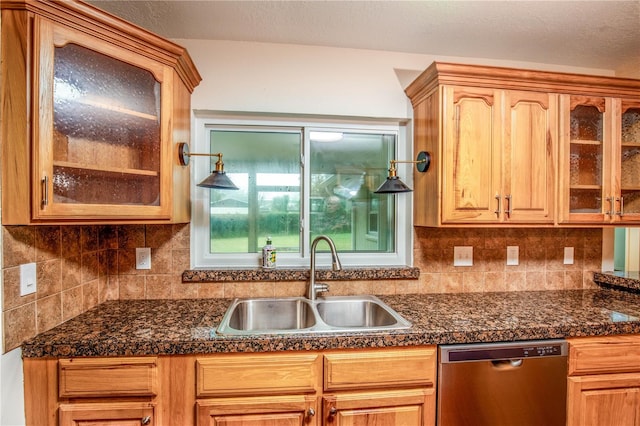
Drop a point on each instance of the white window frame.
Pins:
(204, 121)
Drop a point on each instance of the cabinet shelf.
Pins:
(585, 142)
(585, 187)
(95, 168)
(115, 108)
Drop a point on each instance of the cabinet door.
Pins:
(471, 184)
(390, 408)
(107, 414)
(604, 400)
(628, 164)
(101, 136)
(529, 157)
(294, 410)
(586, 194)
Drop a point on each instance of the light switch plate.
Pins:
(143, 258)
(28, 282)
(568, 255)
(513, 255)
(463, 256)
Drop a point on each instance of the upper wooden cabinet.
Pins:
(492, 155)
(94, 108)
(600, 161)
(504, 150)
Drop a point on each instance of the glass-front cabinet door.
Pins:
(628, 206)
(98, 149)
(585, 160)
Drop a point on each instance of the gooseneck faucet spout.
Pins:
(314, 288)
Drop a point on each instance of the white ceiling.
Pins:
(590, 34)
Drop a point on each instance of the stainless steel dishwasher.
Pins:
(503, 384)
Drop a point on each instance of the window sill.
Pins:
(225, 275)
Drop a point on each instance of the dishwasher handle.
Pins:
(506, 364)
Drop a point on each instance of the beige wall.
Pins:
(79, 267)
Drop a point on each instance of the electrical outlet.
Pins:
(463, 256)
(28, 281)
(143, 258)
(568, 255)
(513, 254)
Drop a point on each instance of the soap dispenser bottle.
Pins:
(269, 255)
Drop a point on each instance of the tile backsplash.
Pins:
(79, 267)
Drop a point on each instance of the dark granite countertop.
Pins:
(167, 327)
(629, 280)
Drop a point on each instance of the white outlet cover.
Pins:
(28, 281)
(143, 258)
(513, 255)
(463, 256)
(568, 255)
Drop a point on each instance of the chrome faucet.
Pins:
(314, 288)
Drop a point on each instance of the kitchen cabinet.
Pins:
(113, 414)
(382, 388)
(600, 174)
(514, 147)
(493, 152)
(604, 381)
(387, 386)
(75, 391)
(97, 108)
(258, 389)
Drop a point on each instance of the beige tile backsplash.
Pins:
(79, 267)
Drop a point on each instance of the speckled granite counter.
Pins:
(146, 327)
(618, 279)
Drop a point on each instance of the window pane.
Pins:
(266, 167)
(344, 174)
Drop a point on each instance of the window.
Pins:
(296, 181)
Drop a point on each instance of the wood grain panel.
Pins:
(257, 374)
(595, 355)
(84, 377)
(374, 369)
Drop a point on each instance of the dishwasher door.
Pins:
(503, 384)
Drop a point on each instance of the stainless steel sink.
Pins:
(259, 315)
(356, 312)
(300, 315)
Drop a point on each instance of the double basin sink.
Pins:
(333, 314)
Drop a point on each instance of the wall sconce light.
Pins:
(393, 184)
(218, 179)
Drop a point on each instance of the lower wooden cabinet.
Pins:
(108, 414)
(603, 387)
(369, 387)
(382, 408)
(292, 410)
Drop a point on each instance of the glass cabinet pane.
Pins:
(106, 141)
(586, 168)
(630, 162)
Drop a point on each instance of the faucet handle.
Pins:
(321, 287)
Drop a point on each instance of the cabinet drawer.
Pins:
(84, 377)
(260, 374)
(372, 369)
(597, 355)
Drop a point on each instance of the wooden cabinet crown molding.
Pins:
(91, 20)
(440, 73)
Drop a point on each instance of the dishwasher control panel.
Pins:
(498, 351)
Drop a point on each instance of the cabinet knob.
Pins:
(333, 411)
(146, 420)
(311, 412)
(499, 207)
(507, 200)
